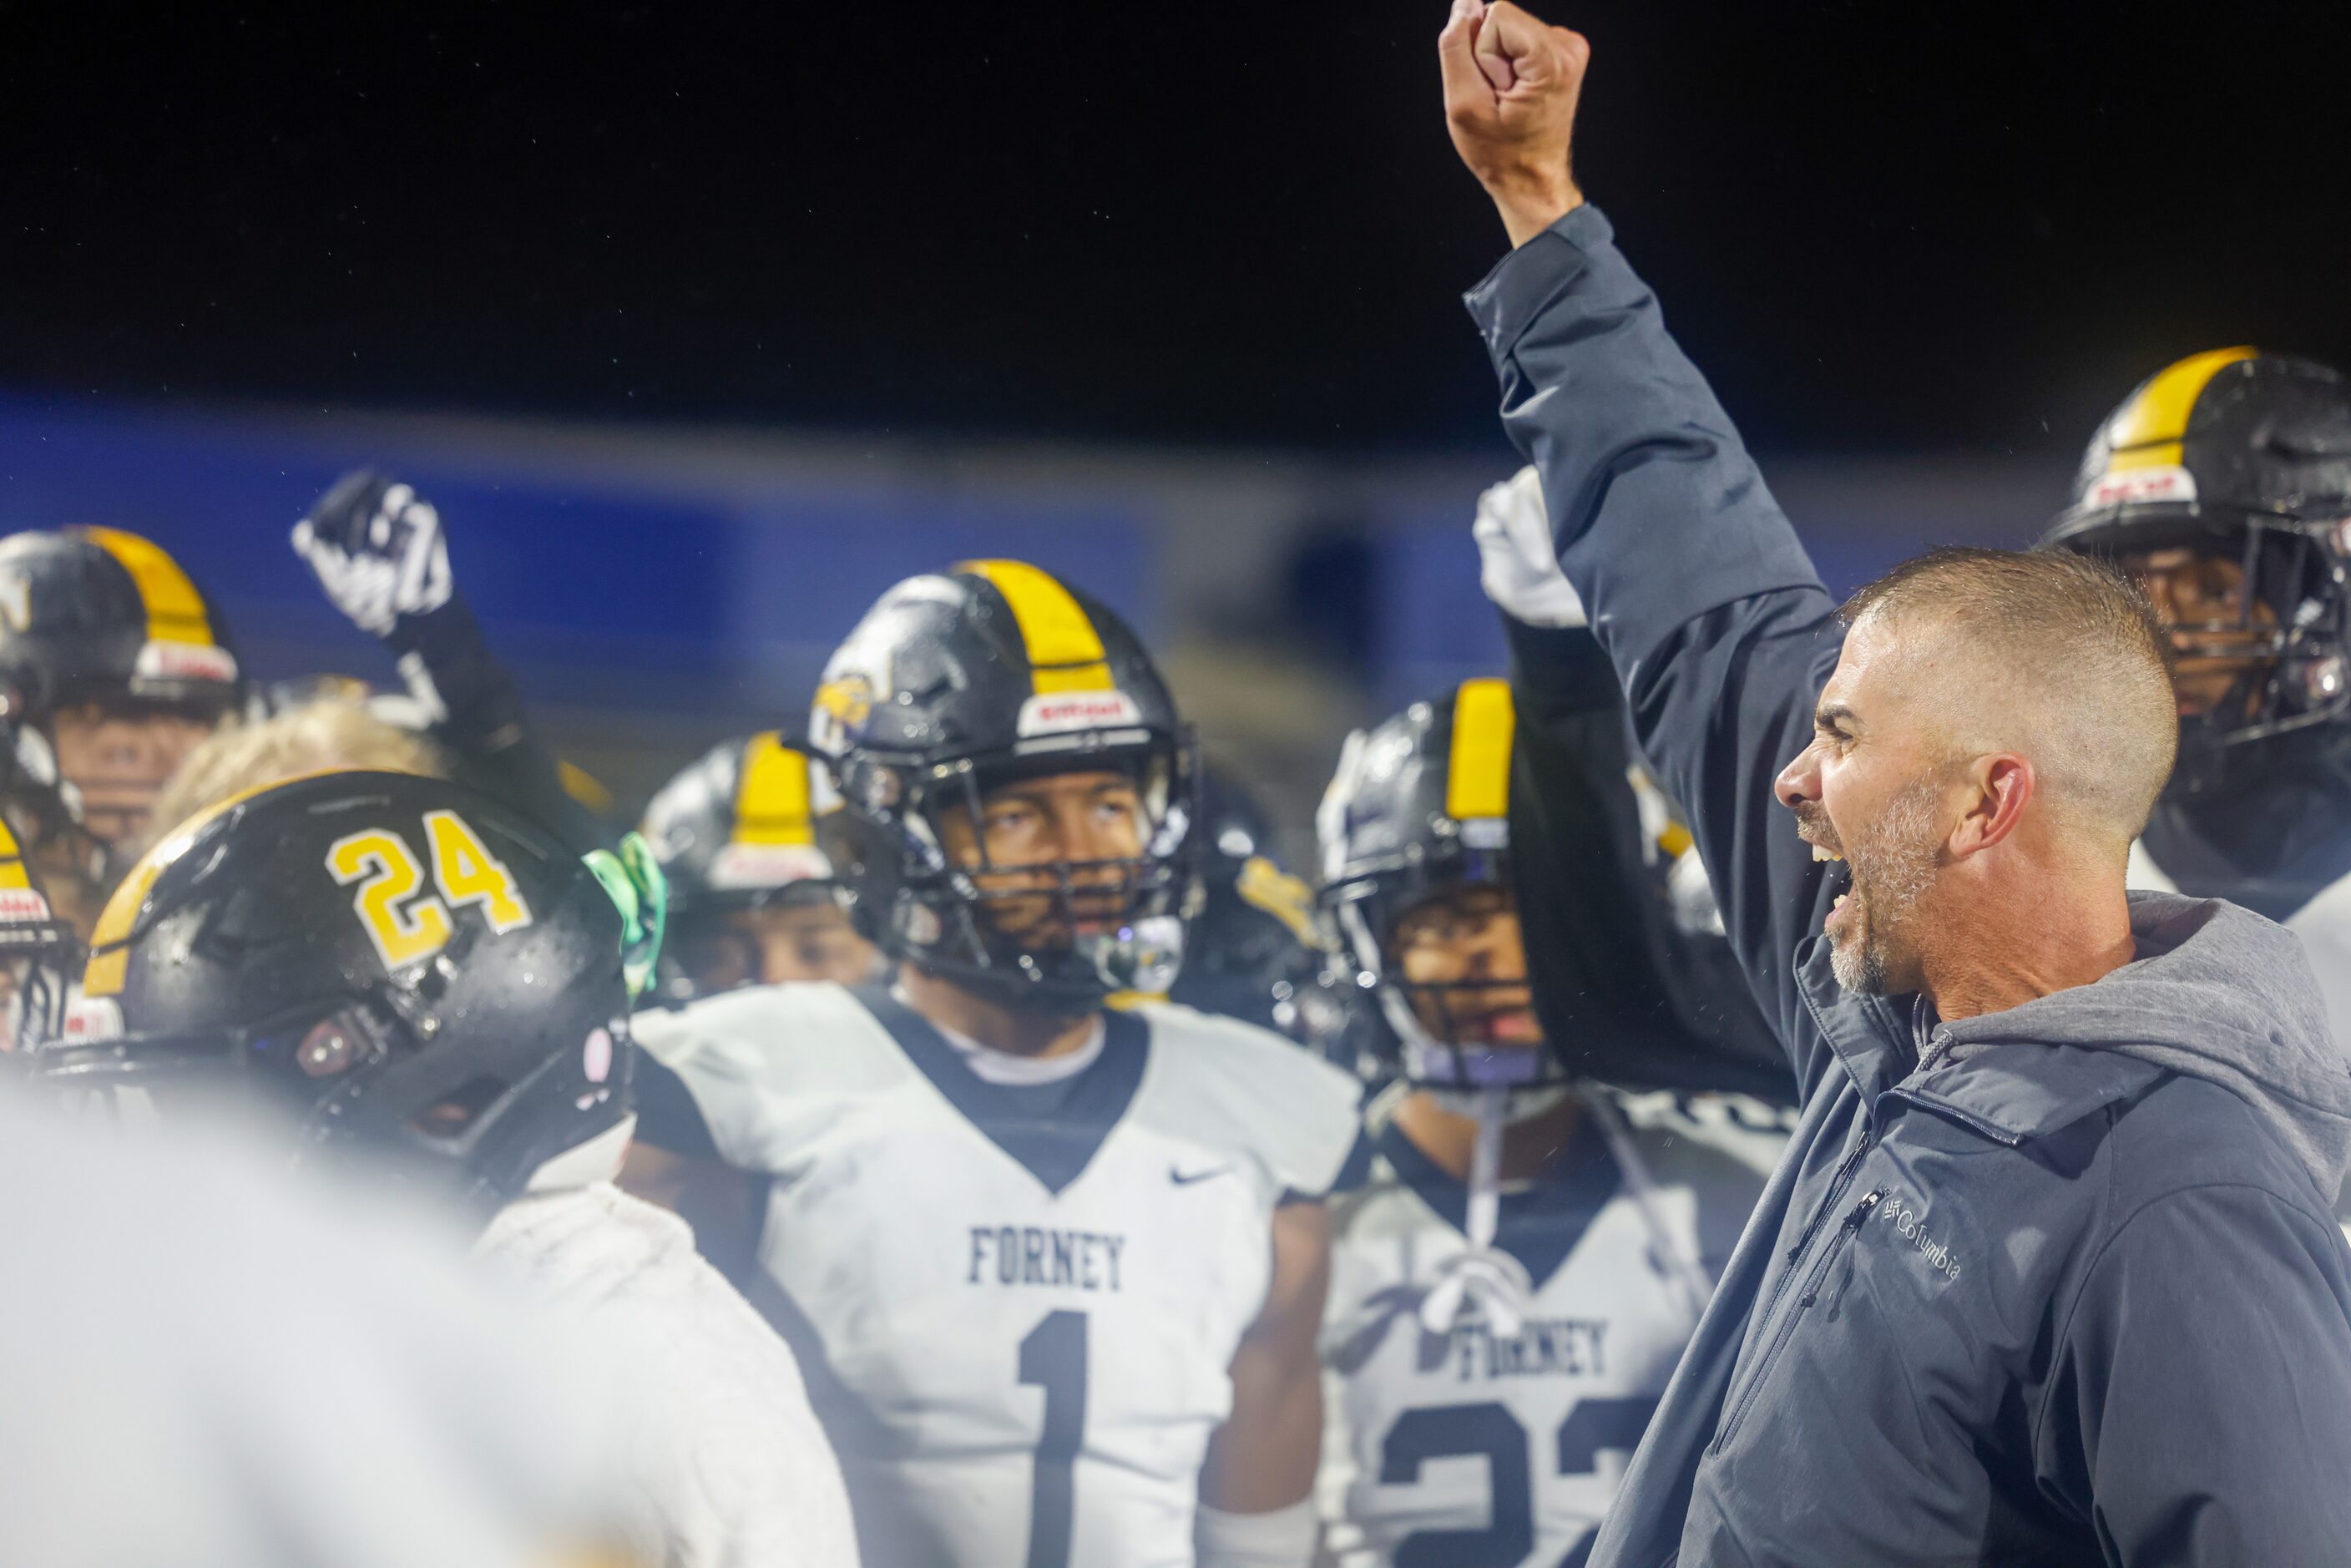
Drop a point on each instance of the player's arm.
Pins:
(378, 550)
(674, 1163)
(1695, 583)
(1257, 1507)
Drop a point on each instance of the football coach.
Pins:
(2049, 1273)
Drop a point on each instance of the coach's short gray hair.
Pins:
(2074, 669)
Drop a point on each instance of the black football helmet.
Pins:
(98, 613)
(735, 830)
(407, 968)
(2224, 481)
(955, 682)
(1258, 949)
(1420, 803)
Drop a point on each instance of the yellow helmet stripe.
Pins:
(2146, 432)
(583, 786)
(175, 610)
(1478, 774)
(110, 940)
(771, 798)
(12, 877)
(1065, 651)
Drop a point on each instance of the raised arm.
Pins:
(1709, 609)
(378, 550)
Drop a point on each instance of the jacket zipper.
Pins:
(1829, 1254)
(1837, 1184)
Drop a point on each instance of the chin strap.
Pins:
(1667, 1253)
(1484, 1283)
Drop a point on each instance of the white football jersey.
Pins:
(1467, 1450)
(1017, 1306)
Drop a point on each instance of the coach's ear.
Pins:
(1997, 790)
(1511, 85)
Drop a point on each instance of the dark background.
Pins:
(1879, 226)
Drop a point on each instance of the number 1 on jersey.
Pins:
(1053, 1358)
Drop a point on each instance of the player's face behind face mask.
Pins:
(2219, 634)
(1053, 855)
(776, 945)
(118, 753)
(1461, 962)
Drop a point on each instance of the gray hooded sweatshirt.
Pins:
(2055, 1285)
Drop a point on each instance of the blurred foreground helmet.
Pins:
(2223, 484)
(953, 685)
(402, 966)
(95, 614)
(1420, 805)
(99, 616)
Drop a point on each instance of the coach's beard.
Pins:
(1890, 864)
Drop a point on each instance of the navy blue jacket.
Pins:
(2053, 1285)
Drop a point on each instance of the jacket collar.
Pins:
(2008, 1091)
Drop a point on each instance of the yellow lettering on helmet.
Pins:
(1065, 650)
(385, 868)
(467, 873)
(1478, 774)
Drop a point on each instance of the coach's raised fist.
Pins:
(1511, 82)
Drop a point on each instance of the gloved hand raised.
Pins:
(1517, 564)
(376, 546)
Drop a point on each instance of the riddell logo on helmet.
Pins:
(2138, 487)
(22, 903)
(1057, 713)
(184, 662)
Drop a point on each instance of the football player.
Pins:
(1639, 985)
(1056, 1268)
(113, 667)
(380, 551)
(2224, 484)
(752, 900)
(1515, 1278)
(415, 981)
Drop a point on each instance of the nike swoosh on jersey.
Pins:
(1185, 1178)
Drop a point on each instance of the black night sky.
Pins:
(1879, 226)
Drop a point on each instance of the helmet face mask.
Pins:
(2258, 609)
(2223, 484)
(968, 727)
(1050, 933)
(1416, 839)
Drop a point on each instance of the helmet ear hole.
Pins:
(453, 1114)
